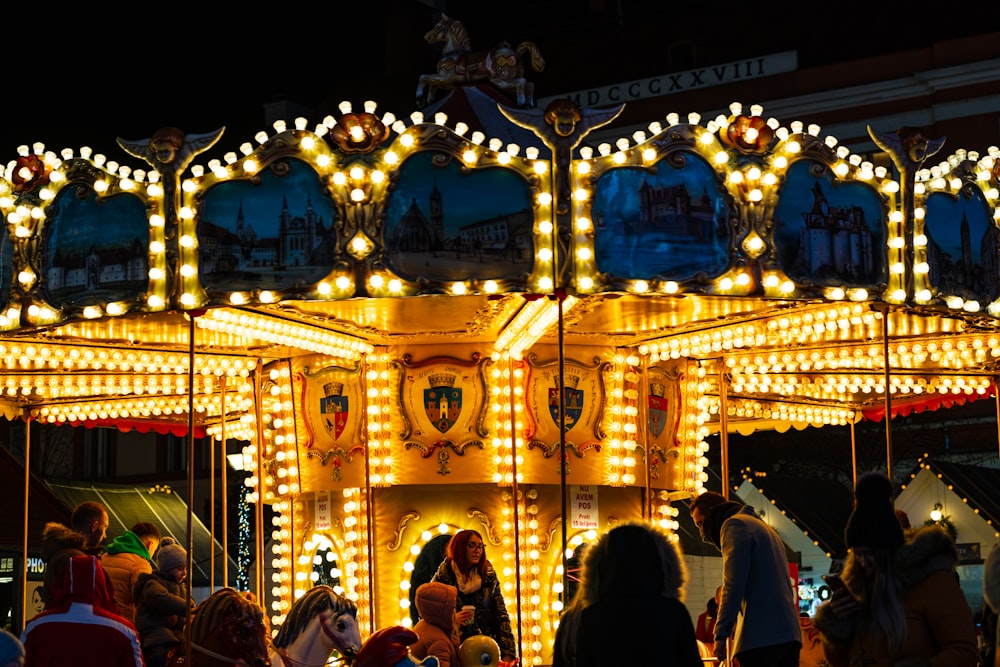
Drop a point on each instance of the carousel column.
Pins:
(724, 426)
(24, 536)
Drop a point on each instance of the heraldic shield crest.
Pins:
(657, 408)
(573, 400)
(443, 401)
(335, 407)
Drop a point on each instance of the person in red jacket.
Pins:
(704, 629)
(82, 614)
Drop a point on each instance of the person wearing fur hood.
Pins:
(629, 606)
(436, 630)
(901, 604)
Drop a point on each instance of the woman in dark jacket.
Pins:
(629, 607)
(466, 568)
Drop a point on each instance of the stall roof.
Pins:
(127, 505)
(976, 484)
(796, 497)
(43, 505)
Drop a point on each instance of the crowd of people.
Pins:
(896, 603)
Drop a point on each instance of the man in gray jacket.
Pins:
(758, 604)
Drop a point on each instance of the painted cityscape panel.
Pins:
(95, 250)
(962, 246)
(272, 233)
(446, 222)
(669, 222)
(829, 233)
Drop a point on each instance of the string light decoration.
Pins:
(244, 543)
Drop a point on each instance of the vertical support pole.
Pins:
(190, 481)
(724, 426)
(225, 486)
(888, 393)
(854, 458)
(211, 513)
(259, 505)
(24, 543)
(996, 402)
(563, 487)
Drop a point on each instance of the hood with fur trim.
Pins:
(674, 570)
(436, 603)
(56, 537)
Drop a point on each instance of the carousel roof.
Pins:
(754, 245)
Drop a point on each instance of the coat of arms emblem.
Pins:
(657, 411)
(443, 401)
(335, 407)
(573, 401)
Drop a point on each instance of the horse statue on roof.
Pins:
(502, 66)
(319, 623)
(226, 629)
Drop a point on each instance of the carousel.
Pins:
(414, 326)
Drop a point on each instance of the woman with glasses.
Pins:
(466, 568)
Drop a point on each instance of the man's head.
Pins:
(91, 520)
(148, 534)
(701, 506)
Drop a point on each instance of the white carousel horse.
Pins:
(319, 623)
(502, 65)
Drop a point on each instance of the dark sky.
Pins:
(84, 74)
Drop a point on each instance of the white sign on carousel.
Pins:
(583, 507)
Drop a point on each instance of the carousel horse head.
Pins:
(226, 629)
(320, 622)
(390, 647)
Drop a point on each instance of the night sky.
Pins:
(88, 73)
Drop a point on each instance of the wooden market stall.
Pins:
(417, 328)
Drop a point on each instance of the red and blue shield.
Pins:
(657, 415)
(443, 405)
(334, 410)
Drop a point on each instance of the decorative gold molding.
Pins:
(487, 524)
(397, 537)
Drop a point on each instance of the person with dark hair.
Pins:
(629, 607)
(89, 527)
(898, 601)
(126, 557)
(991, 608)
(757, 608)
(81, 627)
(467, 568)
(162, 603)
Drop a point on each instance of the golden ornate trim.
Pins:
(397, 537)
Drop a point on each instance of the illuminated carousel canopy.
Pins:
(377, 301)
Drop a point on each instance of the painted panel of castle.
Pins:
(669, 222)
(962, 247)
(829, 233)
(273, 233)
(95, 250)
(445, 222)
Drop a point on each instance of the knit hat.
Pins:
(170, 555)
(10, 648)
(873, 523)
